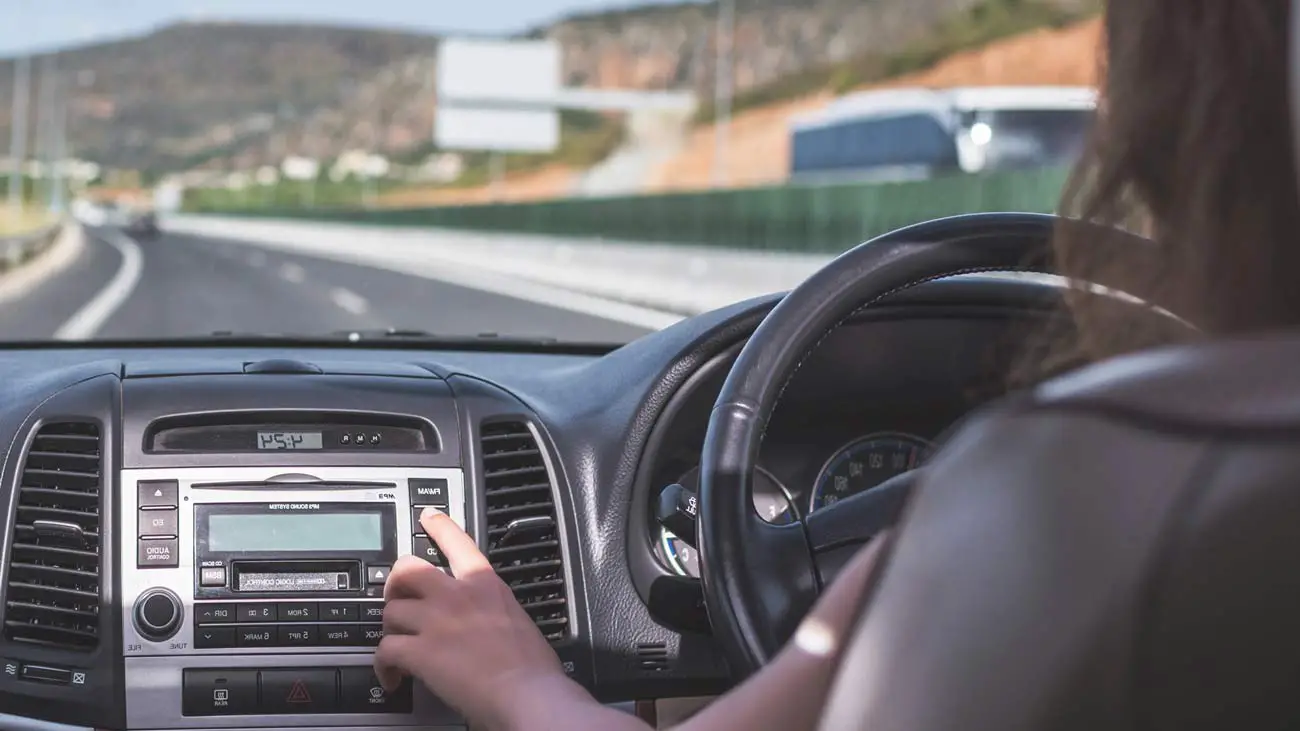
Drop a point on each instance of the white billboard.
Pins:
(498, 96)
(499, 130)
(504, 72)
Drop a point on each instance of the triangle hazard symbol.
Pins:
(157, 493)
(298, 693)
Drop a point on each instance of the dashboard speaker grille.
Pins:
(523, 535)
(52, 590)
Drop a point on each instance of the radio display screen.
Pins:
(290, 440)
(295, 531)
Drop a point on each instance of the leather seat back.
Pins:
(1119, 549)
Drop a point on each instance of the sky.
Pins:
(27, 25)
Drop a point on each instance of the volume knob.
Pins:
(158, 614)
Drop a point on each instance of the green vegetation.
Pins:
(586, 138)
(979, 25)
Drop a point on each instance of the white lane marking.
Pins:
(292, 273)
(256, 259)
(92, 316)
(349, 300)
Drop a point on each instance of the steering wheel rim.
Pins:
(760, 579)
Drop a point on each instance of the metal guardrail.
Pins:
(14, 250)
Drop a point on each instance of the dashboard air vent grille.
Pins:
(52, 591)
(523, 535)
(653, 656)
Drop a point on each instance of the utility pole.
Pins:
(45, 121)
(368, 192)
(59, 151)
(722, 91)
(18, 134)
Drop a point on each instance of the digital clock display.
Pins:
(279, 440)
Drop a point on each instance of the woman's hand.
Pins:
(466, 637)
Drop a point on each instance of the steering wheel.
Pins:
(760, 579)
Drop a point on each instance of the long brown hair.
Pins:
(1192, 147)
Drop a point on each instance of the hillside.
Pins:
(760, 143)
(192, 90)
(236, 96)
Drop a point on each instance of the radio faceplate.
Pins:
(289, 574)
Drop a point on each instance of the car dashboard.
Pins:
(198, 536)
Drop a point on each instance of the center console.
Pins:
(258, 592)
(206, 545)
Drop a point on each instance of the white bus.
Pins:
(908, 134)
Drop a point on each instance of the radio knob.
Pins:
(158, 614)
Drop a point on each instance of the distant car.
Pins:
(142, 224)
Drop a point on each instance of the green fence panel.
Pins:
(819, 218)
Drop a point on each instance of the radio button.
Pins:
(256, 612)
(211, 638)
(340, 634)
(296, 636)
(372, 612)
(158, 553)
(338, 612)
(371, 634)
(255, 636)
(296, 611)
(158, 523)
(299, 691)
(219, 692)
(426, 549)
(212, 576)
(157, 494)
(430, 492)
(362, 693)
(214, 613)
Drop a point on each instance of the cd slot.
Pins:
(296, 577)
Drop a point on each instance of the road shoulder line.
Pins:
(86, 321)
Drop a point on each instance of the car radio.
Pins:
(257, 592)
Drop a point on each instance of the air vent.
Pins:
(523, 537)
(653, 656)
(52, 593)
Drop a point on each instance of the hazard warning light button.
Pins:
(309, 690)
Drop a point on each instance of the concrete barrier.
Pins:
(672, 278)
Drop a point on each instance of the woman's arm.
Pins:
(467, 639)
(788, 693)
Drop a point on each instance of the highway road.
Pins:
(181, 285)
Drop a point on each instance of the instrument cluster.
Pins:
(857, 466)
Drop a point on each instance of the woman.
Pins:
(1193, 145)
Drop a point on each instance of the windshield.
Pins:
(556, 171)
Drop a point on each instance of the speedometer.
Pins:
(866, 462)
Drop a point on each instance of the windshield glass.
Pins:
(580, 171)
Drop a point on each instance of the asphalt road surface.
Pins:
(182, 286)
